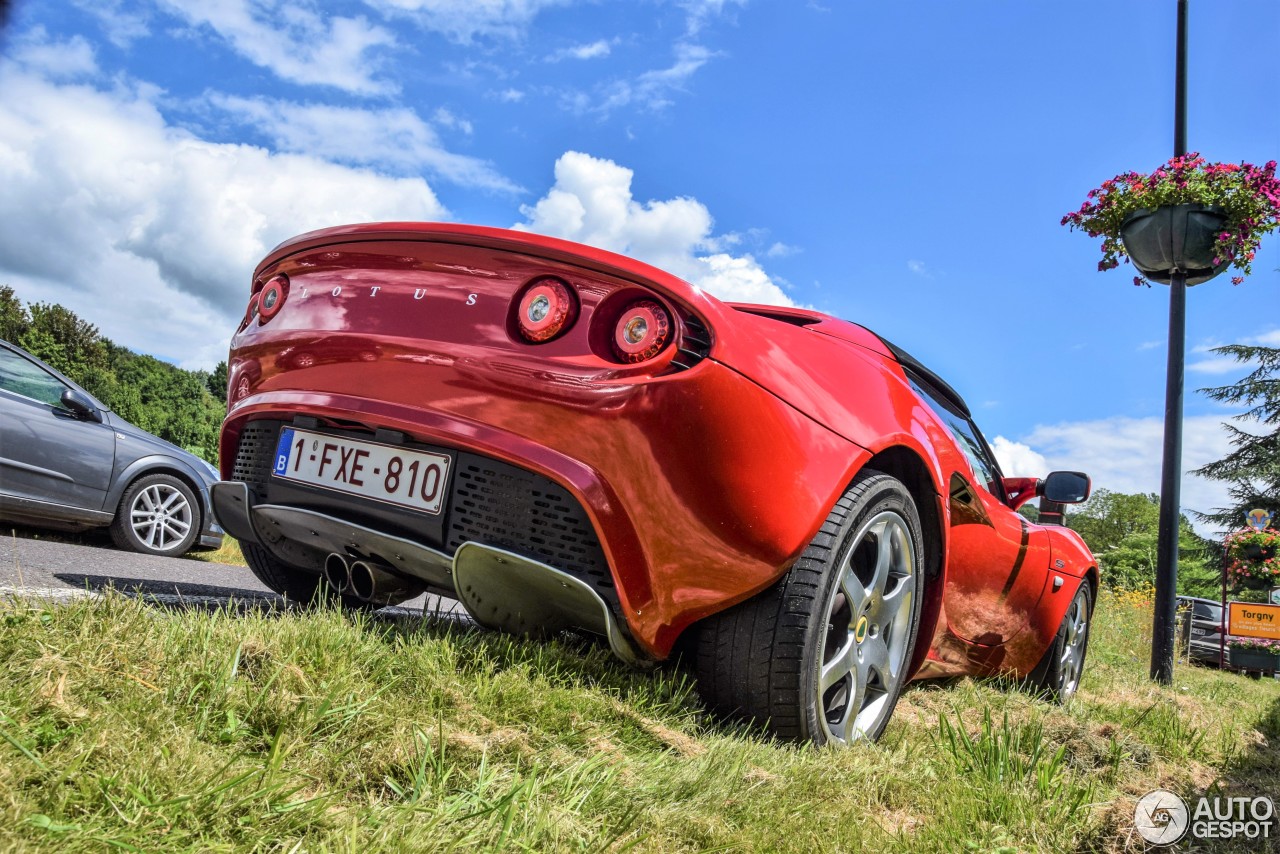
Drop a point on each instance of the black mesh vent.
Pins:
(490, 503)
(695, 344)
(254, 456)
(510, 508)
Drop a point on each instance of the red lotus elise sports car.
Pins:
(566, 439)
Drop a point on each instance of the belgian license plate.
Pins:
(1197, 631)
(387, 473)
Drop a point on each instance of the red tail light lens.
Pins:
(641, 332)
(546, 309)
(272, 296)
(252, 311)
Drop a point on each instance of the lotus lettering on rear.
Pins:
(418, 293)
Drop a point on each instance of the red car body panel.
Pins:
(703, 481)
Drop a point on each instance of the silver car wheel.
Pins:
(1071, 661)
(161, 516)
(869, 623)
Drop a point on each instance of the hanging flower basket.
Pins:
(1174, 238)
(1188, 215)
(1253, 558)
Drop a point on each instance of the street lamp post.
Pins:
(1162, 629)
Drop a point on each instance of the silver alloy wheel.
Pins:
(1071, 661)
(868, 629)
(160, 516)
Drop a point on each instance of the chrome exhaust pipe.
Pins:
(371, 582)
(337, 573)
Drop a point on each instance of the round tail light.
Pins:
(252, 310)
(272, 296)
(546, 309)
(642, 331)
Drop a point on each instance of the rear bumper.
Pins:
(499, 588)
(701, 488)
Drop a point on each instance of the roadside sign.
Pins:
(1251, 620)
(1258, 519)
(1274, 596)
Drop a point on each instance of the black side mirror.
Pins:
(79, 404)
(1066, 487)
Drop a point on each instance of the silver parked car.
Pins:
(67, 462)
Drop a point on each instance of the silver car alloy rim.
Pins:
(868, 624)
(160, 516)
(1072, 660)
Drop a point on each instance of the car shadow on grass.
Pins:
(176, 594)
(183, 595)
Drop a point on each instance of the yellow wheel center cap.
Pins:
(860, 632)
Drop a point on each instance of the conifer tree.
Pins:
(1252, 469)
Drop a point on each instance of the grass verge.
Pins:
(126, 725)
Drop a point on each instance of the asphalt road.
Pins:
(61, 571)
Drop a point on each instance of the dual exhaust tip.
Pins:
(367, 581)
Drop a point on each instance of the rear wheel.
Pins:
(291, 582)
(823, 654)
(157, 515)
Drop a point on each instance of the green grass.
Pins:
(129, 726)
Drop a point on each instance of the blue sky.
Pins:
(903, 165)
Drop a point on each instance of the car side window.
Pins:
(24, 377)
(970, 441)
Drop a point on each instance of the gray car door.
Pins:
(47, 454)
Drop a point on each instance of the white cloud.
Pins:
(394, 138)
(148, 231)
(1216, 364)
(595, 50)
(1017, 459)
(1124, 455)
(57, 60)
(781, 250)
(123, 25)
(446, 118)
(464, 20)
(295, 41)
(698, 12)
(509, 96)
(1150, 345)
(918, 268)
(652, 90)
(592, 203)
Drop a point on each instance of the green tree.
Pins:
(217, 381)
(60, 338)
(14, 319)
(1252, 469)
(1122, 531)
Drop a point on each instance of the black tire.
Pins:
(763, 660)
(293, 583)
(1057, 676)
(158, 514)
